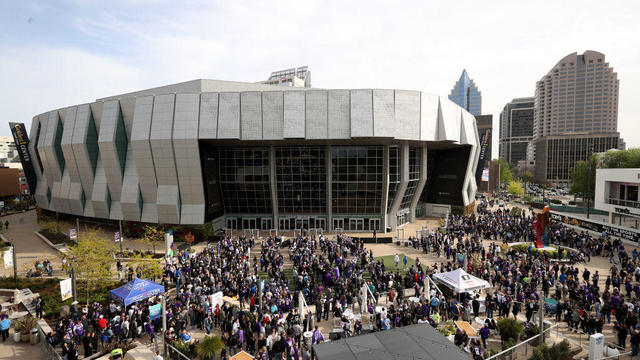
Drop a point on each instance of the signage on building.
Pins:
(403, 212)
(624, 211)
(599, 227)
(21, 139)
(485, 142)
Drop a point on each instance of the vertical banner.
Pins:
(21, 139)
(73, 234)
(168, 242)
(116, 237)
(8, 258)
(483, 159)
(65, 289)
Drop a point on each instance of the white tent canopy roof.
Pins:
(460, 281)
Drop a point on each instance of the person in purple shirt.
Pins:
(317, 336)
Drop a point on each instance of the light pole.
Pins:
(589, 179)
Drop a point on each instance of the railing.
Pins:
(622, 202)
(50, 352)
(509, 351)
(172, 351)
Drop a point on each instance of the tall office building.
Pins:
(576, 99)
(516, 129)
(465, 93)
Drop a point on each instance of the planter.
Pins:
(33, 337)
(16, 337)
(24, 337)
(611, 351)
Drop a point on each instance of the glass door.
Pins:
(374, 224)
(266, 224)
(231, 223)
(360, 224)
(320, 223)
(338, 224)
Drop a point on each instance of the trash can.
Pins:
(34, 338)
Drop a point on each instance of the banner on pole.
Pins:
(73, 234)
(8, 258)
(155, 311)
(66, 289)
(117, 237)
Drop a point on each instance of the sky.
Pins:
(55, 54)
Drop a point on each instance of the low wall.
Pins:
(628, 235)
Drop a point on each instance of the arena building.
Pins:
(257, 156)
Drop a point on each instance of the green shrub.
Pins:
(183, 347)
(571, 202)
(209, 346)
(555, 201)
(508, 343)
(557, 351)
(509, 329)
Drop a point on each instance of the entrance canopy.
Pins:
(460, 281)
(136, 290)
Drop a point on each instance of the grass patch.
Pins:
(288, 272)
(391, 266)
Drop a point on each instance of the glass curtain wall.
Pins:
(357, 173)
(415, 163)
(301, 179)
(394, 174)
(244, 180)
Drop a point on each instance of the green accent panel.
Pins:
(83, 199)
(140, 201)
(48, 194)
(92, 143)
(108, 201)
(57, 147)
(121, 142)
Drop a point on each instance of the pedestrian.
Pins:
(5, 324)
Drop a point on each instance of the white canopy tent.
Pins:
(460, 281)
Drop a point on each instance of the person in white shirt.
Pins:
(158, 357)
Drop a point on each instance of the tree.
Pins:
(92, 258)
(506, 176)
(515, 188)
(209, 346)
(152, 235)
(526, 176)
(582, 177)
(147, 267)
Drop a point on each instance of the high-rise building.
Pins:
(296, 77)
(576, 99)
(484, 123)
(516, 129)
(465, 93)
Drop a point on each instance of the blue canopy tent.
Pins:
(136, 290)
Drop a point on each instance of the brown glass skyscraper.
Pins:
(577, 99)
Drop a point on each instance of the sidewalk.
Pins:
(28, 246)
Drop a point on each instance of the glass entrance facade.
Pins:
(312, 187)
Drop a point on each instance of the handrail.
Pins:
(178, 352)
(623, 202)
(52, 353)
(523, 342)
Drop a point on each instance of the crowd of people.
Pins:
(342, 280)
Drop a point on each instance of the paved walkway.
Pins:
(29, 247)
(22, 350)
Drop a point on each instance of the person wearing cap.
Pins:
(635, 341)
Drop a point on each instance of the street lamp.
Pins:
(589, 179)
